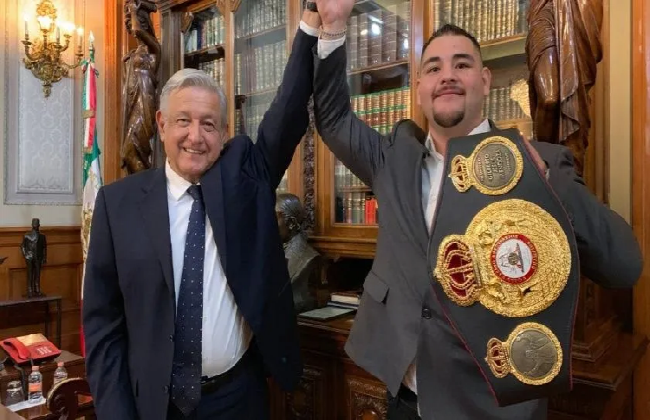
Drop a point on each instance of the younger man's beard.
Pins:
(450, 119)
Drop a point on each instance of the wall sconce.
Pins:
(43, 57)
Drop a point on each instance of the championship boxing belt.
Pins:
(505, 266)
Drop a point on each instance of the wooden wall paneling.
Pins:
(421, 29)
(115, 39)
(61, 275)
(597, 161)
(171, 51)
(229, 19)
(641, 191)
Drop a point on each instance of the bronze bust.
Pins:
(139, 87)
(34, 249)
(563, 47)
(303, 261)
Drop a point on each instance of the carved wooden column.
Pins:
(641, 190)
(114, 42)
(172, 51)
(367, 399)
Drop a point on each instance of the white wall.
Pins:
(40, 138)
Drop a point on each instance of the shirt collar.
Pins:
(483, 127)
(176, 184)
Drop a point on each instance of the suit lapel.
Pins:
(417, 153)
(213, 196)
(155, 214)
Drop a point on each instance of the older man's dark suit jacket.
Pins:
(399, 319)
(129, 304)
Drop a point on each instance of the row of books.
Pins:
(356, 208)
(507, 102)
(379, 36)
(216, 69)
(260, 68)
(344, 179)
(382, 99)
(255, 16)
(205, 33)
(486, 20)
(381, 110)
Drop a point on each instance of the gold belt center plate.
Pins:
(514, 259)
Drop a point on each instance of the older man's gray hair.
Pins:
(194, 78)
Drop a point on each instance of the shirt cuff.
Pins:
(308, 29)
(327, 46)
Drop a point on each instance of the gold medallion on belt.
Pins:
(514, 259)
(494, 167)
(531, 353)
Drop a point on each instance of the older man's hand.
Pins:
(334, 13)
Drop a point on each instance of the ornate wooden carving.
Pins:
(186, 21)
(563, 70)
(164, 5)
(221, 5)
(367, 400)
(139, 94)
(302, 403)
(234, 5)
(309, 171)
(63, 401)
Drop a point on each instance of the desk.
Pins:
(75, 365)
(333, 387)
(28, 311)
(6, 414)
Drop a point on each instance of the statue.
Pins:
(563, 48)
(303, 261)
(34, 249)
(139, 87)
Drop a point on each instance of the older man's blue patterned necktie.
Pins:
(186, 369)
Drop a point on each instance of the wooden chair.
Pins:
(64, 403)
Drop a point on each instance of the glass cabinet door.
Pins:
(500, 27)
(378, 54)
(261, 53)
(203, 43)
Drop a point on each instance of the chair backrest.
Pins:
(63, 399)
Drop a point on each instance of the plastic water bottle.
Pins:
(60, 374)
(35, 385)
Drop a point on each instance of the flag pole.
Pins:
(92, 176)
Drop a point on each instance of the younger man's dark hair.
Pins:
(451, 29)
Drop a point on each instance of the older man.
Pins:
(186, 307)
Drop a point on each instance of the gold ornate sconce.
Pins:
(43, 56)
